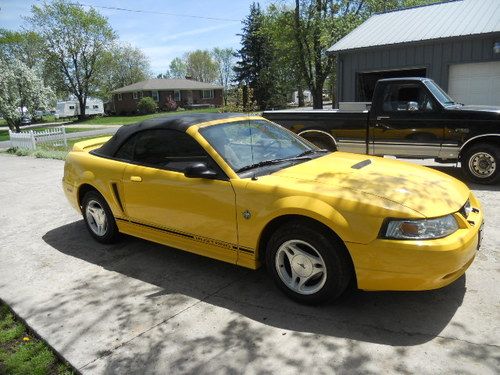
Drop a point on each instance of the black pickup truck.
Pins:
(410, 118)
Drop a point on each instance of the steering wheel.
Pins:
(266, 152)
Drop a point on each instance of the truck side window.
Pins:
(397, 98)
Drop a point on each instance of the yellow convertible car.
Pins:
(246, 191)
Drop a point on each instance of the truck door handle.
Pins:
(382, 126)
(383, 118)
(135, 178)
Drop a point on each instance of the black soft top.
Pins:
(177, 122)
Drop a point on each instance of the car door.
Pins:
(408, 122)
(192, 213)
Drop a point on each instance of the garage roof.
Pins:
(435, 21)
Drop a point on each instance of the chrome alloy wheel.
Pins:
(300, 266)
(96, 218)
(482, 164)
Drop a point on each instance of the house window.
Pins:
(155, 96)
(135, 95)
(119, 96)
(207, 94)
(141, 94)
(95, 106)
(71, 107)
(177, 95)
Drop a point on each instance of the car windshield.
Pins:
(252, 144)
(439, 93)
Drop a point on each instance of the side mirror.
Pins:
(199, 170)
(412, 106)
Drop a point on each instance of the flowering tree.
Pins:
(21, 88)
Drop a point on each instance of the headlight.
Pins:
(421, 229)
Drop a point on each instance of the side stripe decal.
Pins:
(193, 237)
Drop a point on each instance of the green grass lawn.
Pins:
(22, 353)
(126, 120)
(4, 134)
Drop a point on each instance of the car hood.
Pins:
(424, 190)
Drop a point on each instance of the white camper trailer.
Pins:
(71, 108)
(67, 109)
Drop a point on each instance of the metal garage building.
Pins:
(456, 43)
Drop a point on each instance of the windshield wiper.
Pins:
(302, 156)
(309, 152)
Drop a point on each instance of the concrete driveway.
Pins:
(141, 308)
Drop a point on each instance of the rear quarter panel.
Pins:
(82, 168)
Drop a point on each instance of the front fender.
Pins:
(312, 208)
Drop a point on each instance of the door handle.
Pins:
(135, 178)
(382, 126)
(383, 118)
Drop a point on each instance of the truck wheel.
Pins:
(308, 264)
(481, 163)
(99, 218)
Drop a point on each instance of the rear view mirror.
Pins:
(199, 170)
(412, 106)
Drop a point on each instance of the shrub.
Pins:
(170, 104)
(147, 105)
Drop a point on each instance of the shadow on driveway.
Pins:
(392, 318)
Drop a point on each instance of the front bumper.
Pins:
(418, 265)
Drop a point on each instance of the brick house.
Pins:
(186, 92)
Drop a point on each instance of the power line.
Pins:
(154, 12)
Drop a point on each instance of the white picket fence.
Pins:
(30, 139)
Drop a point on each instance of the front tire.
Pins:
(481, 163)
(307, 263)
(98, 218)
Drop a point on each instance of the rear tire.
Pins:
(480, 163)
(98, 218)
(307, 263)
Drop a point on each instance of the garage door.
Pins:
(477, 83)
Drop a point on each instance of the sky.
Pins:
(162, 37)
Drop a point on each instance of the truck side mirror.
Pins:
(412, 106)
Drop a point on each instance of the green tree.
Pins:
(25, 46)
(177, 68)
(224, 57)
(201, 67)
(20, 88)
(318, 24)
(123, 65)
(279, 25)
(76, 41)
(255, 57)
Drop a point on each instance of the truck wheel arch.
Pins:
(493, 138)
(320, 138)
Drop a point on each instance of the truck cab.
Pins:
(411, 118)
